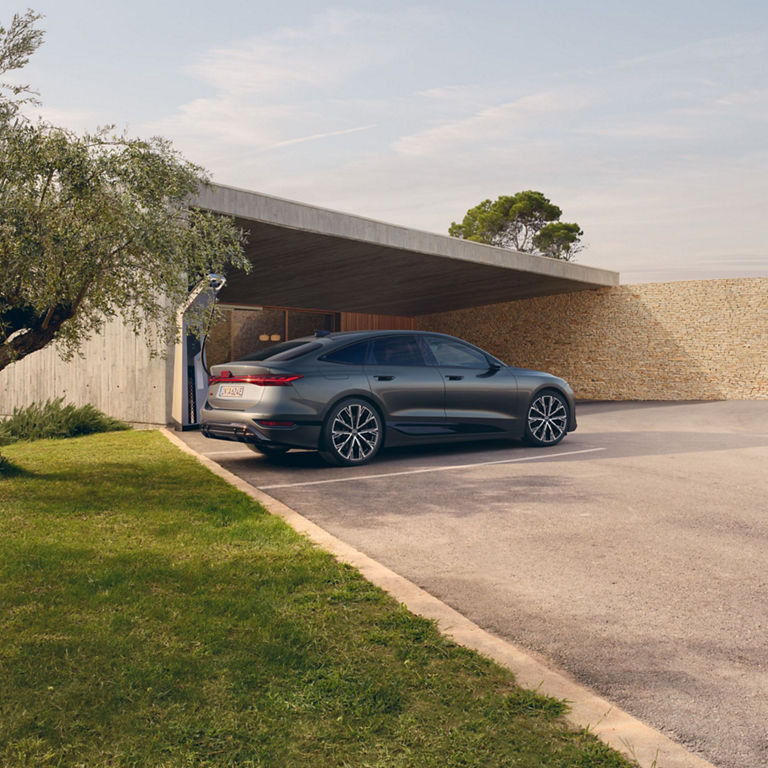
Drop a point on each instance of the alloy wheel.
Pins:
(355, 433)
(547, 419)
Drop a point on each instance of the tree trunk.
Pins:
(42, 333)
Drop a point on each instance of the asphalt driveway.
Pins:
(634, 554)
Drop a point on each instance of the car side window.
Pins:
(395, 350)
(354, 354)
(453, 353)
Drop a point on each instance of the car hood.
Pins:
(540, 374)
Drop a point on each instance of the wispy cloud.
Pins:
(648, 154)
(505, 122)
(702, 51)
(293, 85)
(316, 136)
(322, 53)
(640, 129)
(81, 120)
(750, 97)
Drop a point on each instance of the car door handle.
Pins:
(454, 378)
(384, 378)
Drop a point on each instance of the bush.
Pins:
(52, 419)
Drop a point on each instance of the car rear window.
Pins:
(287, 350)
(354, 354)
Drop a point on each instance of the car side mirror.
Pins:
(492, 369)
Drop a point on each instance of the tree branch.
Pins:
(45, 188)
(35, 338)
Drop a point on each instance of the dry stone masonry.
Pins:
(697, 340)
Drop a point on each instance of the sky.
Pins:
(646, 122)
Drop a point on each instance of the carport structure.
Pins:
(316, 269)
(306, 257)
(312, 269)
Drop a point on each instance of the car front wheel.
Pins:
(546, 422)
(352, 433)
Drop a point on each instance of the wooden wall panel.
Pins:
(355, 321)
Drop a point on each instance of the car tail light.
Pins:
(262, 379)
(263, 423)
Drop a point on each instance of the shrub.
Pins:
(52, 419)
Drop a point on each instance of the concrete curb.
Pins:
(625, 733)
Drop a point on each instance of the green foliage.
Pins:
(52, 419)
(97, 225)
(17, 43)
(558, 240)
(526, 222)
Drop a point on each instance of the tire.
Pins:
(352, 433)
(270, 451)
(546, 421)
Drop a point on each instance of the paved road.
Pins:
(634, 554)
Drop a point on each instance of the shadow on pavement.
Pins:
(616, 445)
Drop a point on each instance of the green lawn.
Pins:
(154, 616)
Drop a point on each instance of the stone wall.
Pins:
(698, 340)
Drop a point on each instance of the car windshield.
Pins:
(287, 350)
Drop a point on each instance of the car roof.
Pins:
(325, 341)
(352, 335)
(340, 337)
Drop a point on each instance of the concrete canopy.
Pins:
(313, 258)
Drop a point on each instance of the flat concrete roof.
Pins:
(314, 258)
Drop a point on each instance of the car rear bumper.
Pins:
(243, 428)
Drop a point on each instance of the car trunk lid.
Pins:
(239, 386)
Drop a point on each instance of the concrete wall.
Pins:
(699, 340)
(116, 374)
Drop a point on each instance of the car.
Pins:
(347, 395)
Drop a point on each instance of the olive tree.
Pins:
(94, 226)
(18, 42)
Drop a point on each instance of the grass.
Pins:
(154, 616)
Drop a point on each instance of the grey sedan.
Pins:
(349, 394)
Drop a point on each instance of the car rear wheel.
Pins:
(270, 451)
(352, 433)
(546, 422)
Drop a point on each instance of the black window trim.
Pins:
(426, 351)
